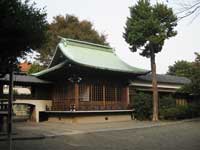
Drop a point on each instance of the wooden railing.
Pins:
(69, 105)
(63, 105)
(99, 105)
(3, 105)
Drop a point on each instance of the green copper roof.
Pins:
(89, 55)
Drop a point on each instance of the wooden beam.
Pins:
(76, 86)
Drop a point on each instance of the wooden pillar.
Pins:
(1, 90)
(10, 106)
(91, 95)
(76, 95)
(104, 100)
(115, 94)
(127, 95)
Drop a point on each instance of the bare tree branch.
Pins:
(188, 8)
(189, 13)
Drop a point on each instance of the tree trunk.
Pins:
(154, 87)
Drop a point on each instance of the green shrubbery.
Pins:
(180, 112)
(166, 101)
(173, 113)
(142, 104)
(194, 110)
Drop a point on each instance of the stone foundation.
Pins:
(91, 119)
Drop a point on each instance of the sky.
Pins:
(109, 17)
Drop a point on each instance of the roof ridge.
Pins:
(67, 41)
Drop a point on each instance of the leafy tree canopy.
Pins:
(194, 87)
(69, 27)
(181, 68)
(148, 27)
(190, 70)
(22, 27)
(35, 67)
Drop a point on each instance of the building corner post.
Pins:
(10, 103)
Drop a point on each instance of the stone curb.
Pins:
(24, 138)
(39, 137)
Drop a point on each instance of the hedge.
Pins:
(142, 104)
(180, 112)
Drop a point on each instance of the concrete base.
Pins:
(40, 105)
(91, 119)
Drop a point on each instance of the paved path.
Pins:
(30, 130)
(178, 136)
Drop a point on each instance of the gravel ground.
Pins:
(181, 136)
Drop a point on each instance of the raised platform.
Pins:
(87, 116)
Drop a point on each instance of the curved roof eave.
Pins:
(50, 69)
(108, 52)
(92, 56)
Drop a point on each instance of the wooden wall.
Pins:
(90, 96)
(63, 96)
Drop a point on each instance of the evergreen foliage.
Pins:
(68, 27)
(142, 104)
(190, 70)
(146, 30)
(167, 101)
(181, 112)
(168, 109)
(22, 28)
(35, 67)
(181, 68)
(149, 26)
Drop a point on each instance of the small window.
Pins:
(110, 93)
(96, 92)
